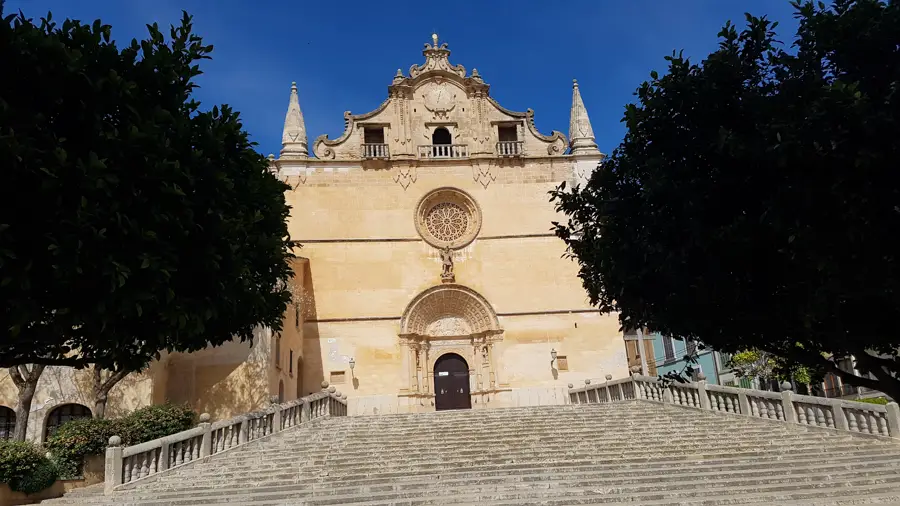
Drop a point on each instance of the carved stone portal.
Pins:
(449, 319)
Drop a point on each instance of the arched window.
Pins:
(441, 136)
(280, 392)
(299, 377)
(62, 414)
(7, 422)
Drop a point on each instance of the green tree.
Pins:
(753, 202)
(132, 222)
(755, 363)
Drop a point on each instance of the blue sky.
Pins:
(344, 54)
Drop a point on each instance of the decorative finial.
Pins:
(399, 73)
(434, 37)
(581, 135)
(293, 137)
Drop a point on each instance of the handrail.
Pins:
(128, 464)
(443, 151)
(785, 406)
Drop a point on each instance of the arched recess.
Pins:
(7, 423)
(449, 310)
(280, 391)
(62, 414)
(444, 319)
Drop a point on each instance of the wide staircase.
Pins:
(634, 452)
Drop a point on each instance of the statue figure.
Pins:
(447, 264)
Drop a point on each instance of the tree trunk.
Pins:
(102, 387)
(26, 381)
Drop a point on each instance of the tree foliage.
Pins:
(756, 363)
(754, 200)
(132, 222)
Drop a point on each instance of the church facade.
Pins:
(427, 276)
(431, 278)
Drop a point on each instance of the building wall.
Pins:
(706, 359)
(64, 385)
(366, 262)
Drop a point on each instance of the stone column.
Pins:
(476, 365)
(404, 364)
(493, 366)
(426, 370)
(415, 358)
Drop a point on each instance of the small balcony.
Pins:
(510, 148)
(376, 151)
(443, 151)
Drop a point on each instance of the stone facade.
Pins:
(424, 231)
(426, 228)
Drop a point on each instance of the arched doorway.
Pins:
(451, 383)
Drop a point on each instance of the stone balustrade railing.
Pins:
(786, 406)
(443, 151)
(128, 464)
(375, 151)
(510, 148)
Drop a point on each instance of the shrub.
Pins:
(77, 439)
(25, 468)
(152, 422)
(874, 400)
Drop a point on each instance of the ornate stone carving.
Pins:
(449, 326)
(440, 99)
(447, 265)
(448, 217)
(436, 58)
(405, 175)
(581, 134)
(448, 301)
(293, 137)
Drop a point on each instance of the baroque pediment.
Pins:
(438, 95)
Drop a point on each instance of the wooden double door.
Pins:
(451, 383)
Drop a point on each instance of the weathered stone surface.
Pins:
(634, 452)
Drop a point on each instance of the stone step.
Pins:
(542, 491)
(633, 452)
(462, 448)
(310, 487)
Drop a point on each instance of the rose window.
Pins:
(447, 217)
(447, 221)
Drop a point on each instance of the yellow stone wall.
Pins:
(64, 385)
(367, 262)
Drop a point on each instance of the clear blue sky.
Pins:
(344, 54)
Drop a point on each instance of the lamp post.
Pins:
(352, 366)
(552, 356)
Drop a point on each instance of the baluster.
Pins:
(754, 409)
(682, 398)
(779, 411)
(145, 465)
(829, 417)
(851, 420)
(873, 423)
(127, 468)
(810, 415)
(800, 412)
(863, 421)
(766, 408)
(820, 416)
(882, 424)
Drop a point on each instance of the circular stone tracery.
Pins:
(448, 217)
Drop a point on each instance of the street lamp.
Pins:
(352, 365)
(552, 356)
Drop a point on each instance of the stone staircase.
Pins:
(635, 452)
